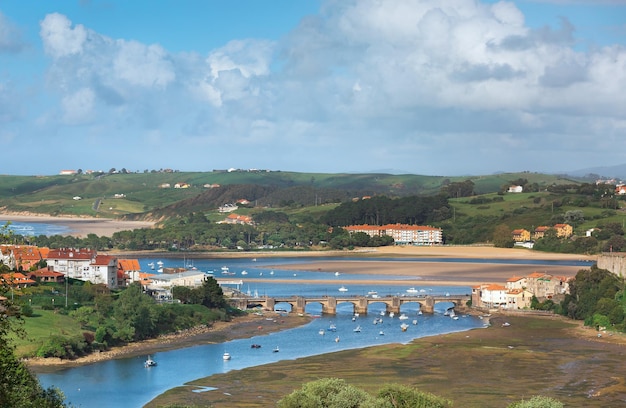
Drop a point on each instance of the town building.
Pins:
(521, 235)
(402, 234)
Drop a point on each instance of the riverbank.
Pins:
(240, 327)
(79, 226)
(491, 367)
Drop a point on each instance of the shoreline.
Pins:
(240, 327)
(79, 226)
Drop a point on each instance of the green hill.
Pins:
(137, 195)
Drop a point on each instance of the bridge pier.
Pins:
(361, 306)
(428, 306)
(330, 306)
(300, 305)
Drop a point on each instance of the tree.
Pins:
(18, 387)
(326, 393)
(502, 237)
(211, 294)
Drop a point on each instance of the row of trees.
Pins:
(19, 388)
(336, 393)
(111, 318)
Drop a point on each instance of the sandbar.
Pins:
(80, 227)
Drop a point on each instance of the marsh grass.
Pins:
(480, 368)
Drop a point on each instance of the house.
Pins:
(521, 235)
(518, 299)
(515, 189)
(27, 257)
(102, 270)
(490, 295)
(72, 262)
(182, 185)
(128, 270)
(165, 185)
(243, 201)
(620, 189)
(227, 208)
(67, 172)
(47, 275)
(540, 232)
(238, 219)
(16, 280)
(190, 279)
(564, 230)
(516, 282)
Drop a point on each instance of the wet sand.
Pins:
(80, 226)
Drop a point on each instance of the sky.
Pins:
(431, 87)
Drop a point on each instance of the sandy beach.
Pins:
(80, 226)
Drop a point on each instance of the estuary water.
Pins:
(127, 383)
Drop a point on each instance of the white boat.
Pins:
(149, 362)
(226, 356)
(382, 312)
(419, 313)
(343, 289)
(244, 272)
(372, 293)
(276, 350)
(391, 314)
(332, 328)
(414, 321)
(403, 317)
(160, 263)
(357, 329)
(336, 273)
(404, 326)
(381, 333)
(322, 332)
(151, 265)
(412, 290)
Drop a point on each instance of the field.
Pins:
(42, 325)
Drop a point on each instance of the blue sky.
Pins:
(437, 87)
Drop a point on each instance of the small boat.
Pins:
(372, 293)
(244, 272)
(506, 324)
(276, 350)
(357, 329)
(255, 346)
(382, 312)
(414, 321)
(322, 332)
(151, 265)
(419, 313)
(271, 272)
(226, 356)
(412, 290)
(391, 314)
(343, 289)
(404, 326)
(332, 328)
(160, 263)
(381, 333)
(337, 339)
(403, 317)
(149, 362)
(337, 274)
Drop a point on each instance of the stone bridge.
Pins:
(360, 303)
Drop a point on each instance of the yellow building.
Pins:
(521, 235)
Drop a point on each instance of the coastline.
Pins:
(79, 227)
(239, 327)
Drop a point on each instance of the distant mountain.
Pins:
(617, 171)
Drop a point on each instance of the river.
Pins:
(127, 383)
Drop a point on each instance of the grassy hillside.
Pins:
(142, 193)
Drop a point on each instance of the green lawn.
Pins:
(42, 325)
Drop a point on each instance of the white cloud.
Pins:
(78, 107)
(146, 66)
(59, 38)
(391, 80)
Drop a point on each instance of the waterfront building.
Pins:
(402, 234)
